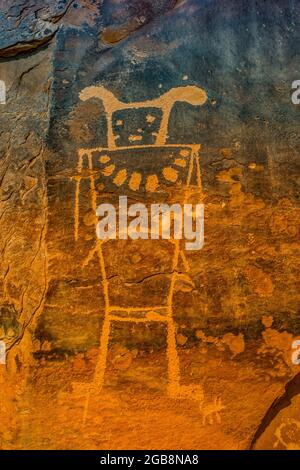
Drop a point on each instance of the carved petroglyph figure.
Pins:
(189, 94)
(287, 427)
(211, 411)
(187, 159)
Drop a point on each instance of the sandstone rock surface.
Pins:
(234, 303)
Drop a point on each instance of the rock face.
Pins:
(162, 102)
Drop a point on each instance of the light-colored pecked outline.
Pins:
(175, 390)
